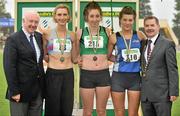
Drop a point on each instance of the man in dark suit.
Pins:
(23, 67)
(159, 71)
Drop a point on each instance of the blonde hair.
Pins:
(58, 7)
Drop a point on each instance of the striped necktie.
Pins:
(149, 49)
(32, 43)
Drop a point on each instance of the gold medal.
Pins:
(143, 74)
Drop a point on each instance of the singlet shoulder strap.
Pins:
(134, 32)
(68, 36)
(82, 34)
(104, 30)
(118, 34)
(52, 34)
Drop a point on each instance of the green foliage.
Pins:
(144, 8)
(177, 7)
(176, 31)
(176, 20)
(176, 104)
(3, 12)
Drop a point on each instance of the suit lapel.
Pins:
(143, 52)
(153, 54)
(156, 47)
(25, 42)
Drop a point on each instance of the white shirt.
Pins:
(152, 45)
(35, 44)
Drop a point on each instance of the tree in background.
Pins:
(4, 30)
(3, 12)
(144, 8)
(176, 20)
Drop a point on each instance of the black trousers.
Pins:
(156, 108)
(59, 92)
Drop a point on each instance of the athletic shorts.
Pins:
(93, 79)
(120, 81)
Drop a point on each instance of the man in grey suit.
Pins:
(159, 71)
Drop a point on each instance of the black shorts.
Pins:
(93, 79)
(121, 81)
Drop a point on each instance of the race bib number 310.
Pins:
(133, 54)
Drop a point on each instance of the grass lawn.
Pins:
(176, 105)
(4, 104)
(4, 107)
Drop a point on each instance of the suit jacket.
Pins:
(24, 75)
(161, 80)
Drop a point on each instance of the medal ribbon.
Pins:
(128, 47)
(61, 42)
(97, 40)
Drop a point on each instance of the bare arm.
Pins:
(109, 32)
(74, 52)
(45, 41)
(45, 33)
(78, 35)
(111, 43)
(141, 35)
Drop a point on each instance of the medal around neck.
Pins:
(143, 74)
(95, 58)
(95, 46)
(61, 59)
(128, 47)
(62, 43)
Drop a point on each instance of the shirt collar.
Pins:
(153, 39)
(26, 33)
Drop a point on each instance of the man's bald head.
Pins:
(30, 21)
(30, 14)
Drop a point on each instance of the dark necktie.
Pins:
(149, 49)
(32, 43)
